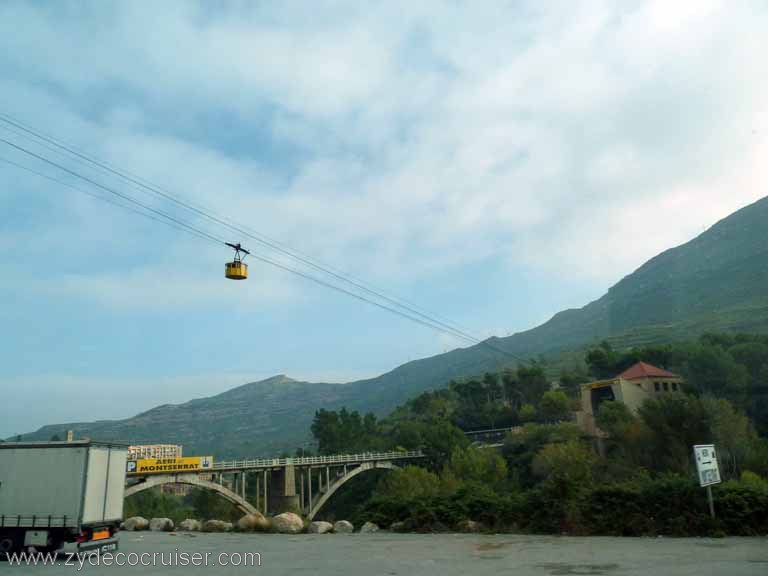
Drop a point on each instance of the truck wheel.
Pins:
(8, 544)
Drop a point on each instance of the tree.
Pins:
(408, 483)
(55, 438)
(532, 382)
(711, 370)
(479, 465)
(326, 429)
(732, 433)
(566, 465)
(555, 406)
(408, 435)
(611, 417)
(571, 381)
(527, 413)
(520, 448)
(602, 361)
(441, 438)
(675, 422)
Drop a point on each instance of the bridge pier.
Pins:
(282, 497)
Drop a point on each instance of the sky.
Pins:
(493, 162)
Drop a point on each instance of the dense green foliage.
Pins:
(549, 477)
(732, 367)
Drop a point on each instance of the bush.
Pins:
(675, 506)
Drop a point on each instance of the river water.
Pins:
(445, 554)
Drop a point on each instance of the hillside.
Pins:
(717, 281)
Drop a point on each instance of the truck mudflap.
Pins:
(101, 546)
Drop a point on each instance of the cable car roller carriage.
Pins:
(237, 269)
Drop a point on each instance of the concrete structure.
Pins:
(281, 484)
(147, 451)
(142, 451)
(632, 387)
(190, 480)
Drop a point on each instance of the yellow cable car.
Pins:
(237, 269)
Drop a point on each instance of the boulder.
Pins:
(161, 525)
(397, 526)
(136, 523)
(217, 526)
(320, 527)
(251, 522)
(368, 528)
(287, 523)
(190, 525)
(343, 527)
(470, 526)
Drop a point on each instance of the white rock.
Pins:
(190, 525)
(287, 523)
(251, 522)
(368, 528)
(161, 525)
(343, 527)
(217, 526)
(136, 523)
(320, 527)
(470, 526)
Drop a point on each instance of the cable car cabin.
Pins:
(236, 270)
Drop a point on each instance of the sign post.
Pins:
(709, 472)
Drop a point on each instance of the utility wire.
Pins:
(207, 236)
(102, 198)
(111, 190)
(264, 240)
(420, 318)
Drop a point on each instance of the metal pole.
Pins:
(309, 485)
(711, 501)
(266, 473)
(257, 491)
(327, 478)
(301, 497)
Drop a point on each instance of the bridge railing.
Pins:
(487, 432)
(317, 460)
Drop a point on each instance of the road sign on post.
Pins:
(709, 472)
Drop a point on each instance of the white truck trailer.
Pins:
(57, 492)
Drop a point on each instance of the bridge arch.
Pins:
(192, 480)
(341, 480)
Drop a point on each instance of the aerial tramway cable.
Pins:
(153, 213)
(264, 240)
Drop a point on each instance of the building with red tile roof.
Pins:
(632, 387)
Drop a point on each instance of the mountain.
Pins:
(716, 282)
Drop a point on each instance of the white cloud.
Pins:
(428, 137)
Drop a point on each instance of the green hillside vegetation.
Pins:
(714, 283)
(548, 477)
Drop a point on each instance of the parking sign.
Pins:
(706, 464)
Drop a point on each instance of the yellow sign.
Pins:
(169, 465)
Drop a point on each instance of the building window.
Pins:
(674, 386)
(666, 386)
(656, 386)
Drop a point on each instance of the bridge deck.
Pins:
(316, 460)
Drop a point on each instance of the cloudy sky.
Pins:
(494, 162)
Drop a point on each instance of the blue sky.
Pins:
(494, 162)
